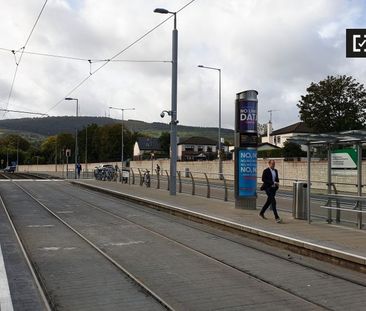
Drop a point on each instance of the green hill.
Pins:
(42, 127)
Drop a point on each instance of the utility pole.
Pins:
(270, 114)
(270, 128)
(86, 150)
(122, 143)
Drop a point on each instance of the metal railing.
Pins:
(340, 205)
(210, 185)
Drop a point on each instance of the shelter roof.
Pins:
(354, 136)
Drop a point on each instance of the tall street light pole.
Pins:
(173, 112)
(76, 131)
(86, 150)
(122, 144)
(17, 168)
(219, 134)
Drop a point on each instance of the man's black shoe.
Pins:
(262, 215)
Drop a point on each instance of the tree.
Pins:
(164, 140)
(15, 142)
(262, 129)
(65, 141)
(13, 147)
(292, 150)
(334, 104)
(48, 149)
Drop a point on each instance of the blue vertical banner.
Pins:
(246, 143)
(247, 172)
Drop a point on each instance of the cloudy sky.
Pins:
(277, 47)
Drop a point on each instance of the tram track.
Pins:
(4, 176)
(198, 252)
(17, 176)
(43, 287)
(187, 247)
(201, 229)
(39, 284)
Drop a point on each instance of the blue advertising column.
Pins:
(246, 142)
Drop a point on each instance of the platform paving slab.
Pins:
(336, 241)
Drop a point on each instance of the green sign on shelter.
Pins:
(344, 159)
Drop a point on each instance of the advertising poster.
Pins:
(247, 173)
(248, 117)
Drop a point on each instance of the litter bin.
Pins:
(186, 172)
(299, 203)
(125, 175)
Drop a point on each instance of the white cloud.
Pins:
(276, 47)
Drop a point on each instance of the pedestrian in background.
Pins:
(270, 186)
(78, 168)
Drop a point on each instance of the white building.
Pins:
(197, 148)
(278, 137)
(145, 146)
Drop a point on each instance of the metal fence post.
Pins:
(193, 184)
(141, 182)
(180, 182)
(167, 175)
(157, 179)
(359, 183)
(329, 184)
(208, 186)
(338, 205)
(225, 188)
(133, 177)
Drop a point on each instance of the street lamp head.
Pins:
(161, 11)
(70, 98)
(207, 67)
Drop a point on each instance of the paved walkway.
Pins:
(336, 241)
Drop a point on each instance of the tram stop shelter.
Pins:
(354, 137)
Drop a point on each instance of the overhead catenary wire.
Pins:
(84, 59)
(116, 55)
(21, 55)
(22, 111)
(106, 62)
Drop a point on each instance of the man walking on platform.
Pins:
(270, 185)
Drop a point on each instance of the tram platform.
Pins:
(341, 245)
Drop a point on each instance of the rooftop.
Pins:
(196, 140)
(299, 127)
(149, 143)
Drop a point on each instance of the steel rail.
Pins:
(104, 254)
(203, 254)
(157, 213)
(40, 287)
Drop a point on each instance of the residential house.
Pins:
(145, 147)
(279, 137)
(197, 148)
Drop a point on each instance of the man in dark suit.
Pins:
(270, 185)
